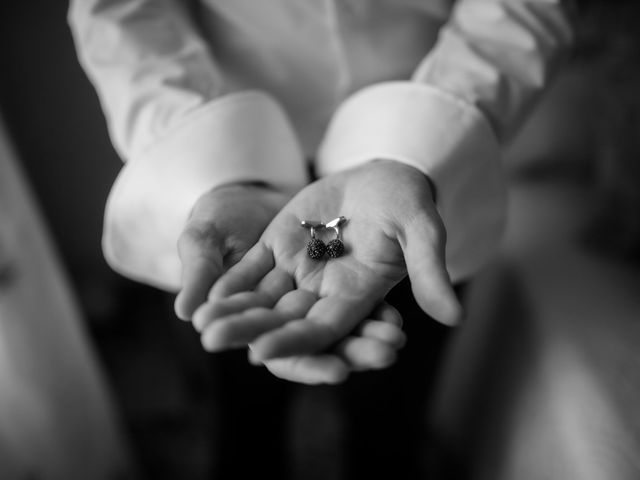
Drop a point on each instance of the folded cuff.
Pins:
(447, 139)
(243, 137)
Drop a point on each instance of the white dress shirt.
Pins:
(204, 93)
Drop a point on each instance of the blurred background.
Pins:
(57, 139)
(575, 171)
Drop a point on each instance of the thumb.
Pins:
(424, 253)
(200, 248)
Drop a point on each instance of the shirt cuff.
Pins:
(242, 137)
(447, 139)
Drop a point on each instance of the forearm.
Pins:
(492, 60)
(164, 101)
(499, 56)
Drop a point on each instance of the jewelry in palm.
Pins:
(316, 247)
(335, 248)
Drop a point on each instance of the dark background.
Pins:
(53, 115)
(151, 360)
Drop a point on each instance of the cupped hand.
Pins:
(284, 304)
(373, 345)
(224, 224)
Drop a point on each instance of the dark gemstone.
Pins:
(335, 248)
(316, 248)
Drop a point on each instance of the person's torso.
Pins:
(311, 54)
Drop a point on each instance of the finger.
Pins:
(245, 274)
(366, 353)
(236, 303)
(329, 320)
(271, 288)
(276, 283)
(201, 255)
(385, 326)
(424, 255)
(387, 313)
(312, 370)
(296, 303)
(239, 320)
(384, 332)
(240, 329)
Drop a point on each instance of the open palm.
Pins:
(393, 229)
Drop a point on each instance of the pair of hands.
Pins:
(247, 279)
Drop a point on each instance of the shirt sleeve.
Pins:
(492, 60)
(170, 119)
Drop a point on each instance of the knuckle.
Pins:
(436, 231)
(199, 236)
(424, 221)
(432, 229)
(197, 232)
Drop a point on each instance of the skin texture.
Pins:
(289, 308)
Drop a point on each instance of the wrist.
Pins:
(398, 164)
(235, 195)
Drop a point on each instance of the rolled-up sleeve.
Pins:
(492, 60)
(171, 120)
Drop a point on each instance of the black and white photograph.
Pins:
(320, 240)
